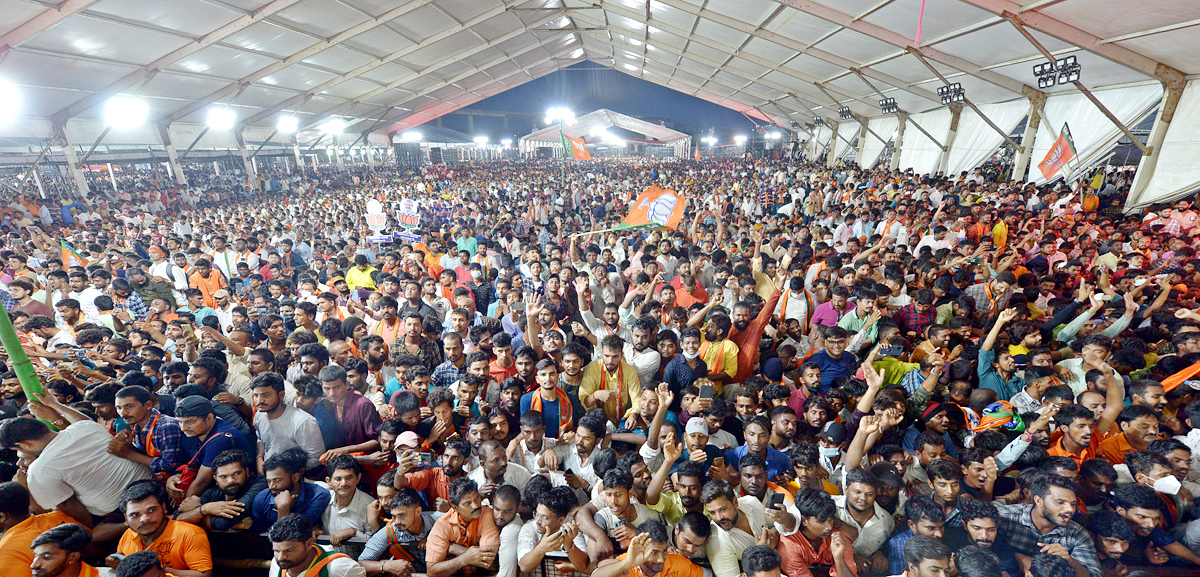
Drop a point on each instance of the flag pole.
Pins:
(20, 361)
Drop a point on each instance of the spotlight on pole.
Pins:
(481, 140)
(889, 106)
(411, 136)
(506, 142)
(739, 139)
(10, 102)
(560, 115)
(951, 93)
(844, 113)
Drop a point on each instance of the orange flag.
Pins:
(72, 258)
(1059, 154)
(697, 154)
(577, 148)
(655, 208)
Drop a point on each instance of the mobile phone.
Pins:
(426, 458)
(975, 260)
(187, 329)
(892, 351)
(776, 501)
(719, 462)
(76, 353)
(706, 391)
(519, 307)
(568, 472)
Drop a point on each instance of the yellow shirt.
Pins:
(360, 278)
(625, 380)
(1000, 234)
(727, 350)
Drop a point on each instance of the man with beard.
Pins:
(287, 492)
(640, 351)
(924, 518)
(398, 547)
(494, 471)
(508, 410)
(59, 553)
(550, 401)
(580, 455)
(753, 481)
(18, 528)
(181, 547)
(747, 331)
(280, 426)
(435, 481)
(296, 555)
(810, 386)
(574, 358)
(155, 440)
(735, 524)
(649, 554)
(468, 524)
(375, 352)
(758, 436)
(1046, 526)
(551, 531)
(611, 383)
(610, 325)
(14, 395)
(413, 303)
(226, 505)
(857, 509)
(816, 548)
(980, 524)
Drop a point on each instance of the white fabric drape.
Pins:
(1177, 172)
(1093, 133)
(918, 152)
(847, 131)
(976, 141)
(820, 141)
(884, 126)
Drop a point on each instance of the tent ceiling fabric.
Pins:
(387, 66)
(599, 120)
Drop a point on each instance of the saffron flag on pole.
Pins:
(697, 154)
(71, 258)
(655, 208)
(1059, 154)
(575, 148)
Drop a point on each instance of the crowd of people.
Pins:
(820, 371)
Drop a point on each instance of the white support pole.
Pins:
(38, 179)
(1031, 127)
(164, 132)
(217, 167)
(81, 183)
(296, 151)
(895, 162)
(955, 115)
(862, 139)
(112, 177)
(1172, 91)
(244, 152)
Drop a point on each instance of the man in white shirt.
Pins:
(223, 258)
(347, 515)
(494, 470)
(162, 270)
(86, 295)
(73, 472)
(735, 522)
(280, 426)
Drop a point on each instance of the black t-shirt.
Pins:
(255, 484)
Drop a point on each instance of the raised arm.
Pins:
(1006, 316)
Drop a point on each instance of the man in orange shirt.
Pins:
(207, 282)
(1139, 428)
(19, 528)
(182, 547)
(59, 552)
(747, 333)
(469, 524)
(649, 554)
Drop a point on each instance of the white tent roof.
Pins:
(601, 119)
(386, 65)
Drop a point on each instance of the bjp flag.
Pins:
(1058, 156)
(72, 258)
(697, 154)
(655, 208)
(575, 148)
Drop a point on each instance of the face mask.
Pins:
(1168, 485)
(721, 281)
(690, 356)
(830, 452)
(476, 274)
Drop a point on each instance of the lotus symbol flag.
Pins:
(376, 218)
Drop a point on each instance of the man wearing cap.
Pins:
(829, 448)
(214, 436)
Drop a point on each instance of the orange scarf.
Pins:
(565, 417)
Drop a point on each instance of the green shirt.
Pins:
(851, 322)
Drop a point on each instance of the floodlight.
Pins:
(333, 126)
(123, 112)
(288, 124)
(221, 119)
(888, 105)
(10, 102)
(773, 135)
(560, 115)
(709, 140)
(481, 140)
(845, 113)
(506, 142)
(411, 136)
(739, 139)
